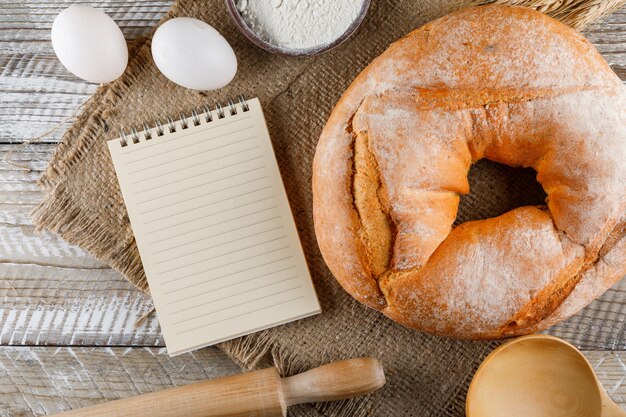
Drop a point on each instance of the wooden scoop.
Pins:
(261, 393)
(539, 376)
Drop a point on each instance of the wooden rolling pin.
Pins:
(260, 393)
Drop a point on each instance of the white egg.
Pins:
(193, 54)
(89, 44)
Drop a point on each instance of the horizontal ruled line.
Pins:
(229, 285)
(242, 314)
(169, 161)
(194, 130)
(205, 214)
(194, 165)
(236, 305)
(225, 254)
(202, 184)
(188, 144)
(214, 224)
(214, 235)
(214, 246)
(145, 190)
(226, 275)
(220, 266)
(234, 295)
(212, 192)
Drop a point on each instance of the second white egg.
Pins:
(193, 54)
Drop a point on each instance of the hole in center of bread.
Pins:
(496, 189)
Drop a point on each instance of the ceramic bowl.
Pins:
(275, 49)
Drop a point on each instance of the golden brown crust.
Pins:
(497, 82)
(371, 203)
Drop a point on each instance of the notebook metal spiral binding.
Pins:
(170, 124)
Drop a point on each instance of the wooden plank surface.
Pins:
(56, 294)
(609, 36)
(40, 381)
(36, 90)
(53, 292)
(49, 283)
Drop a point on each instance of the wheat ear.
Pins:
(575, 13)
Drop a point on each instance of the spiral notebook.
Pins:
(213, 226)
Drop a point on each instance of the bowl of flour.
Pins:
(298, 27)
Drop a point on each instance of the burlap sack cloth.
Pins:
(426, 375)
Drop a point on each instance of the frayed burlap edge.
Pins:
(75, 225)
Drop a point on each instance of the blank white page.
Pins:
(214, 228)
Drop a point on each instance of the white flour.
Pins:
(299, 24)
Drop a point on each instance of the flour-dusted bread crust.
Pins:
(497, 82)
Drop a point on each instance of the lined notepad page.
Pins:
(214, 229)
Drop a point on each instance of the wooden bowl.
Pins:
(275, 49)
(538, 376)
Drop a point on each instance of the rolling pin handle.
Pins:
(335, 381)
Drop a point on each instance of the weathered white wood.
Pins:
(19, 194)
(600, 325)
(609, 36)
(611, 370)
(41, 381)
(56, 293)
(36, 91)
(47, 305)
(52, 292)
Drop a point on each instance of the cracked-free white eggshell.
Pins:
(193, 54)
(89, 44)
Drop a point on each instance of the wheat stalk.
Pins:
(575, 13)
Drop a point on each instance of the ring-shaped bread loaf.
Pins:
(504, 83)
